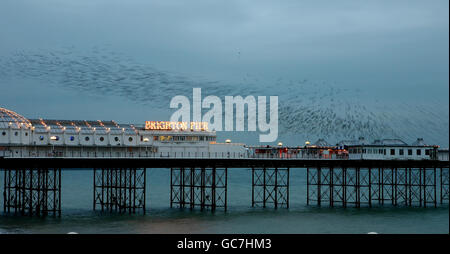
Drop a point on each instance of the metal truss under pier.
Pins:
(444, 179)
(358, 187)
(199, 187)
(32, 191)
(270, 186)
(119, 189)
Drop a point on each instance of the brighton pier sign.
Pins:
(167, 125)
(256, 109)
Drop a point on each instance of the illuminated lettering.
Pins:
(168, 125)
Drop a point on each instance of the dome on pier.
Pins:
(11, 118)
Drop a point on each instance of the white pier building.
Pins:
(22, 137)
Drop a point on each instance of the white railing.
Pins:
(173, 155)
(180, 155)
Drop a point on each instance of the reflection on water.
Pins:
(77, 215)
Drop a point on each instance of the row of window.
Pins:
(410, 152)
(72, 138)
(15, 133)
(383, 151)
(130, 139)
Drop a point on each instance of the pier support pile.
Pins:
(270, 187)
(199, 187)
(32, 191)
(444, 179)
(119, 189)
(358, 187)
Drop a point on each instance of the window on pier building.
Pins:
(208, 138)
(409, 151)
(419, 152)
(427, 152)
(192, 138)
(401, 152)
(165, 138)
(392, 151)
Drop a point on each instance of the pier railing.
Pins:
(174, 155)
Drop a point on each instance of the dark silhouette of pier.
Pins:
(32, 186)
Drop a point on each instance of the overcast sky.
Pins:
(358, 42)
(396, 47)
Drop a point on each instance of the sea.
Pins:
(78, 215)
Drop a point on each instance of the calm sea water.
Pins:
(77, 214)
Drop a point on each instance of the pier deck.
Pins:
(157, 162)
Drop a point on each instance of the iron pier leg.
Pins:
(307, 186)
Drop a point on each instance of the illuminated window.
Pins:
(165, 138)
(155, 138)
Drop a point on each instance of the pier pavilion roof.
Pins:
(11, 118)
(82, 126)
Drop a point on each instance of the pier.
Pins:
(352, 173)
(32, 186)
